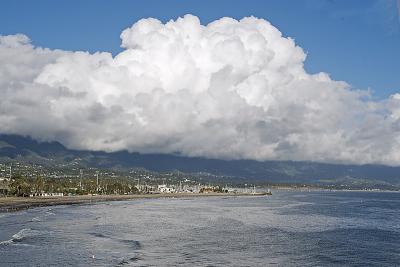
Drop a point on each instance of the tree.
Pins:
(20, 186)
(39, 184)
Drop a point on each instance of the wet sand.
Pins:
(8, 204)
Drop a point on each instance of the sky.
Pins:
(263, 80)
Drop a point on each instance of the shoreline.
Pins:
(12, 204)
(315, 189)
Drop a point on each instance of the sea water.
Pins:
(289, 228)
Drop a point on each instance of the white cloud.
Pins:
(230, 89)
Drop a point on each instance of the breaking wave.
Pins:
(20, 236)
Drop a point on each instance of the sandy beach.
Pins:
(9, 204)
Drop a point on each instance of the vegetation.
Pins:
(23, 186)
(20, 186)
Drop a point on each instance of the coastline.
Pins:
(316, 189)
(11, 204)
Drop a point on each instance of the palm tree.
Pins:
(39, 184)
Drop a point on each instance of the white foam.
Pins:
(21, 234)
(17, 236)
(35, 219)
(6, 242)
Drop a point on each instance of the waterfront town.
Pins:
(34, 180)
(23, 179)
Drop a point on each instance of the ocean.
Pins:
(289, 228)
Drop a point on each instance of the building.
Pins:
(165, 189)
(42, 194)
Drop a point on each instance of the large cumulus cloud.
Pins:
(230, 89)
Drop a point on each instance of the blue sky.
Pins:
(356, 41)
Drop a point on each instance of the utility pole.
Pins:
(80, 178)
(138, 184)
(97, 181)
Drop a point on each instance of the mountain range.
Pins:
(26, 149)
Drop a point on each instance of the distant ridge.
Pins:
(26, 149)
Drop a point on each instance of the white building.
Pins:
(165, 189)
(46, 195)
